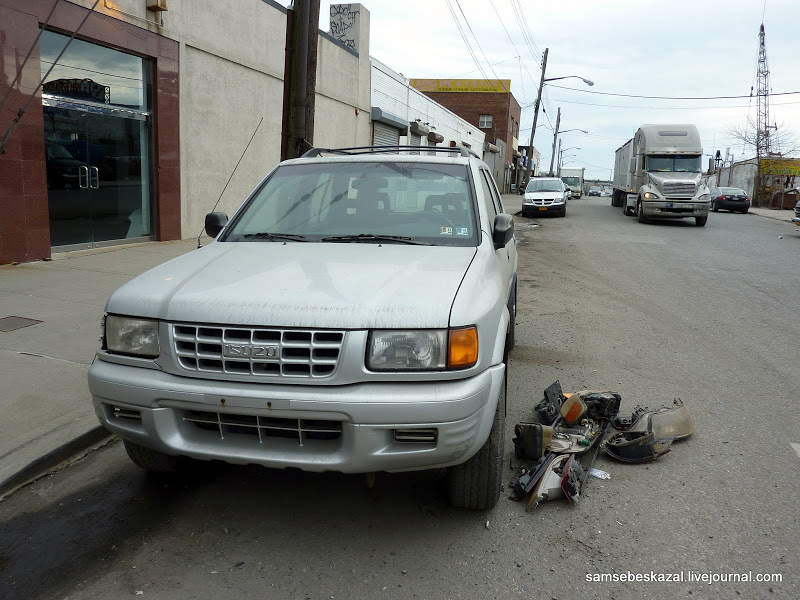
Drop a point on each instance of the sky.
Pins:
(683, 50)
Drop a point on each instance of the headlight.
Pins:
(704, 198)
(138, 337)
(422, 350)
(651, 196)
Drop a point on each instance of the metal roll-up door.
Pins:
(416, 140)
(383, 135)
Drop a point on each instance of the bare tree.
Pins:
(782, 141)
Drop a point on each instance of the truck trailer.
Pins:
(657, 175)
(573, 177)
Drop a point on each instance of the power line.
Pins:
(561, 87)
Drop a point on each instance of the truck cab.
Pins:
(665, 169)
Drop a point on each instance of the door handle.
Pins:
(95, 184)
(83, 170)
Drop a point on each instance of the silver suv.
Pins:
(354, 315)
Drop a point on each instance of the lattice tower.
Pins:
(762, 98)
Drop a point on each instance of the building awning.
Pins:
(418, 128)
(436, 138)
(378, 114)
(489, 147)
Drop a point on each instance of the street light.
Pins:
(561, 157)
(536, 107)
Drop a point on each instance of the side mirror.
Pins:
(503, 230)
(215, 221)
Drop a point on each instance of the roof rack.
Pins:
(460, 150)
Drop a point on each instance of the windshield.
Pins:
(672, 164)
(572, 181)
(374, 202)
(544, 185)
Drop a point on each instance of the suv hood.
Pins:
(324, 285)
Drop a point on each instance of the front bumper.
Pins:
(675, 209)
(350, 428)
(734, 205)
(542, 209)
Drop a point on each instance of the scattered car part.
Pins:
(637, 446)
(548, 487)
(572, 409)
(572, 478)
(667, 421)
(531, 440)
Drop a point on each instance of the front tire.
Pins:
(477, 483)
(700, 221)
(714, 206)
(151, 460)
(640, 211)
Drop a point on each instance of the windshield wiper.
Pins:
(372, 237)
(266, 235)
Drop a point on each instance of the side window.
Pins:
(498, 198)
(488, 197)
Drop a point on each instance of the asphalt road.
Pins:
(655, 312)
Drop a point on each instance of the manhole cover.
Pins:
(12, 323)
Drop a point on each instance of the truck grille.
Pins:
(684, 189)
(257, 352)
(264, 428)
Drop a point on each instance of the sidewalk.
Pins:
(45, 403)
(771, 213)
(47, 412)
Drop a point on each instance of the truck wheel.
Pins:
(477, 483)
(640, 211)
(151, 460)
(700, 221)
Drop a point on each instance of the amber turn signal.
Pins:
(462, 348)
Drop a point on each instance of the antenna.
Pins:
(199, 245)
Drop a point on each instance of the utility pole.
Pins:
(558, 164)
(535, 117)
(300, 80)
(555, 135)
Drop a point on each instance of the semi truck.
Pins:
(573, 177)
(657, 175)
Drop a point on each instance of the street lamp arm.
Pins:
(586, 81)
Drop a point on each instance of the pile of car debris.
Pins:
(574, 427)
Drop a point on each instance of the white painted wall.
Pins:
(231, 76)
(392, 93)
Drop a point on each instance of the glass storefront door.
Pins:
(98, 141)
(97, 189)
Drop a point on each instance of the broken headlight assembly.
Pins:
(131, 336)
(422, 350)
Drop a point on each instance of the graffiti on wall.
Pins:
(344, 24)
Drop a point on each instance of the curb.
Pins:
(41, 465)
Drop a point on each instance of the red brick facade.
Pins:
(471, 105)
(24, 226)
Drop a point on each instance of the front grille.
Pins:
(684, 189)
(262, 429)
(257, 352)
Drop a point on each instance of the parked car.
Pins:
(796, 217)
(354, 315)
(595, 190)
(730, 198)
(545, 195)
